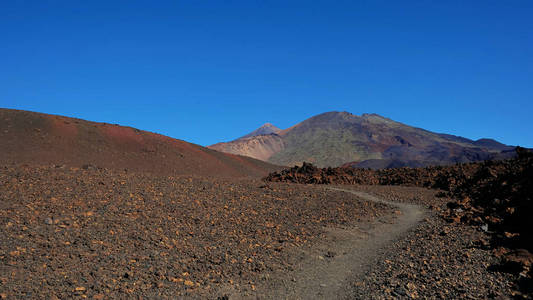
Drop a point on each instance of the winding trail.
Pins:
(327, 270)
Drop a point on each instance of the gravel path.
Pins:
(409, 254)
(433, 260)
(325, 270)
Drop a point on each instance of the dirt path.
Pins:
(325, 270)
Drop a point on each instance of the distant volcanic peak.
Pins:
(348, 115)
(375, 118)
(344, 118)
(332, 114)
(266, 129)
(337, 137)
(269, 127)
(327, 117)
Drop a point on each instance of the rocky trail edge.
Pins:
(327, 270)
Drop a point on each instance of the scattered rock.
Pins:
(330, 254)
(428, 265)
(188, 283)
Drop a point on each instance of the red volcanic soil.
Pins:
(41, 139)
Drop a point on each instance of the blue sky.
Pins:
(210, 71)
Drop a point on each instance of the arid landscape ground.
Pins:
(83, 224)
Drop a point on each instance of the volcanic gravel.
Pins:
(494, 195)
(70, 232)
(436, 260)
(98, 233)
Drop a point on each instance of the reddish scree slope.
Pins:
(40, 139)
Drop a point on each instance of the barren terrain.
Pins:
(492, 197)
(93, 210)
(99, 233)
(71, 232)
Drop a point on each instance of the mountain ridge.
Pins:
(339, 137)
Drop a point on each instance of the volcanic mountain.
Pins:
(370, 140)
(40, 139)
(263, 130)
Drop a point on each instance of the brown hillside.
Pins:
(260, 147)
(36, 138)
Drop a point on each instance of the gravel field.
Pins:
(96, 233)
(69, 232)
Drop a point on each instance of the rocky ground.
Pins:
(97, 233)
(436, 259)
(74, 232)
(496, 196)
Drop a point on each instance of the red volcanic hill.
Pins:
(40, 139)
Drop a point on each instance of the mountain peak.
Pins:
(268, 125)
(266, 128)
(336, 137)
(346, 114)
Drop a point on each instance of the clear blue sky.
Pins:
(210, 71)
